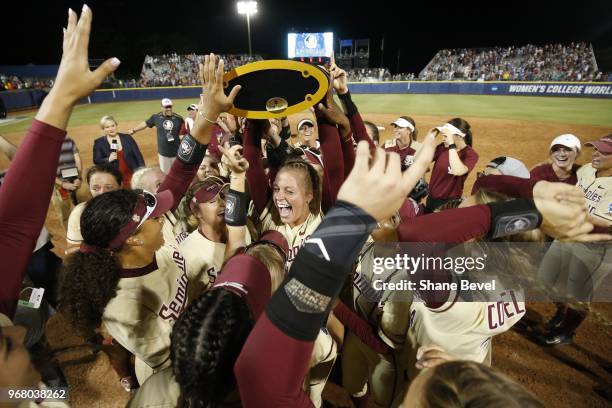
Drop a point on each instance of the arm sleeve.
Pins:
(448, 226)
(259, 187)
(357, 126)
(511, 186)
(348, 156)
(23, 205)
(276, 356)
(99, 155)
(151, 121)
(178, 180)
(360, 328)
(333, 165)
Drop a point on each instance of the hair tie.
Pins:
(89, 249)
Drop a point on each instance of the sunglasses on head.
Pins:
(150, 202)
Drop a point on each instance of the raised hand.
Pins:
(380, 188)
(339, 78)
(74, 79)
(215, 101)
(332, 112)
(234, 160)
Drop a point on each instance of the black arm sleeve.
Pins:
(347, 102)
(301, 305)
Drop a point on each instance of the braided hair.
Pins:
(205, 343)
(89, 280)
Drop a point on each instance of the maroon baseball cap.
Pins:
(277, 239)
(247, 277)
(604, 145)
(211, 186)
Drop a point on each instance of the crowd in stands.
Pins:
(12, 82)
(176, 70)
(551, 62)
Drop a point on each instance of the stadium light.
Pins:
(248, 8)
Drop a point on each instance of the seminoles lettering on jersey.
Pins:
(172, 310)
(293, 251)
(597, 192)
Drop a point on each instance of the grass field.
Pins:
(579, 111)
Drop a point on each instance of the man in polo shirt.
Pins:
(168, 126)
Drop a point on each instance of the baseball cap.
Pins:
(305, 122)
(567, 140)
(604, 145)
(166, 102)
(247, 277)
(403, 123)
(277, 239)
(192, 107)
(211, 186)
(509, 166)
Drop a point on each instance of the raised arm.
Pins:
(300, 307)
(193, 147)
(259, 188)
(23, 206)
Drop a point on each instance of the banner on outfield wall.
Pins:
(571, 89)
(22, 99)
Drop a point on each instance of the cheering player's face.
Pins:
(563, 156)
(291, 196)
(212, 213)
(601, 161)
(151, 234)
(307, 133)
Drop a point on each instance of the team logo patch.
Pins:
(168, 125)
(408, 160)
(610, 208)
(186, 148)
(136, 218)
(229, 205)
(517, 225)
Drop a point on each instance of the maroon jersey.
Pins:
(546, 172)
(443, 184)
(406, 154)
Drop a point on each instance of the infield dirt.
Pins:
(562, 376)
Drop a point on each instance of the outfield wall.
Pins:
(25, 99)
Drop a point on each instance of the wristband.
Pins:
(236, 208)
(512, 217)
(452, 146)
(191, 151)
(348, 103)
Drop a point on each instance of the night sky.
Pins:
(131, 29)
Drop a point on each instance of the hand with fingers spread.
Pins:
(213, 100)
(380, 188)
(74, 79)
(431, 356)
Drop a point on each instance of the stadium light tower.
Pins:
(248, 8)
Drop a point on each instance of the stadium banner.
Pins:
(565, 89)
(23, 99)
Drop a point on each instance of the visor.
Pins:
(604, 145)
(305, 122)
(147, 206)
(448, 128)
(403, 123)
(208, 191)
